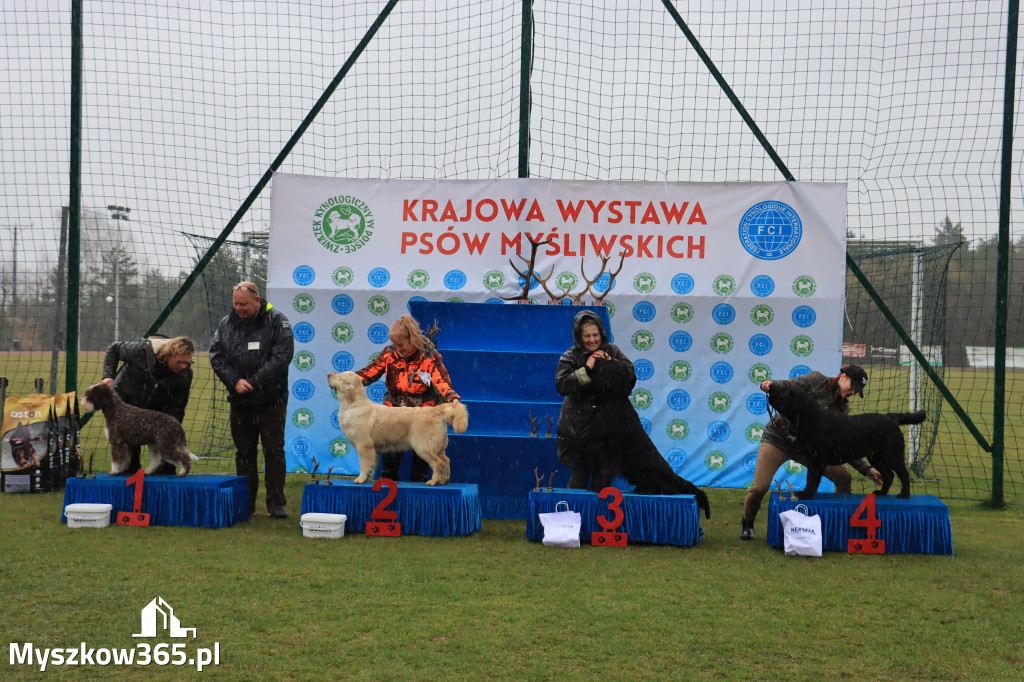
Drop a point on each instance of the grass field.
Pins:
(493, 605)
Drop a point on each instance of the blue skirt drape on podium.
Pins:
(919, 525)
(657, 519)
(441, 511)
(200, 500)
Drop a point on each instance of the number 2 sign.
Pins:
(384, 522)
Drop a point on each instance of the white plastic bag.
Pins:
(561, 528)
(801, 533)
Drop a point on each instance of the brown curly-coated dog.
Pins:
(129, 426)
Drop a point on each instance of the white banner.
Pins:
(721, 286)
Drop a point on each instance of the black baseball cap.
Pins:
(858, 378)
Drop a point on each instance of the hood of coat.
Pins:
(587, 317)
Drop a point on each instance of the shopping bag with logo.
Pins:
(801, 533)
(561, 527)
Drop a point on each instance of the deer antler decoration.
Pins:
(611, 280)
(525, 293)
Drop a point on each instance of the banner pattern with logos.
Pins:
(720, 287)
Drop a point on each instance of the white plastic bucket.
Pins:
(82, 515)
(316, 525)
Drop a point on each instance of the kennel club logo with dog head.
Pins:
(343, 224)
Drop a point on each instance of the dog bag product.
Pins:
(801, 533)
(561, 528)
(39, 442)
(316, 525)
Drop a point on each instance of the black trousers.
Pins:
(391, 462)
(260, 425)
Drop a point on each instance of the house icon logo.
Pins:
(158, 615)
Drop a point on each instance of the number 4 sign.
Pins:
(872, 545)
(135, 517)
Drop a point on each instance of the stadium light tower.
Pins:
(117, 213)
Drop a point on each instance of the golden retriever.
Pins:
(373, 428)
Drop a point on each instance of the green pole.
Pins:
(74, 201)
(1003, 259)
(525, 97)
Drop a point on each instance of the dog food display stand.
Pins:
(919, 525)
(656, 519)
(201, 500)
(440, 510)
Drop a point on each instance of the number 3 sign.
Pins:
(609, 537)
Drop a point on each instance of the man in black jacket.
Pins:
(250, 354)
(157, 375)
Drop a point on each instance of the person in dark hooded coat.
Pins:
(599, 432)
(572, 379)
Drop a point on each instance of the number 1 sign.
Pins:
(135, 517)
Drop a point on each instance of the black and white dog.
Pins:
(829, 437)
(129, 426)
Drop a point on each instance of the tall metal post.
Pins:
(1002, 264)
(74, 201)
(525, 68)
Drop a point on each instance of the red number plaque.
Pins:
(873, 544)
(384, 523)
(135, 517)
(610, 537)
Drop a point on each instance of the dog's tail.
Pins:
(908, 417)
(457, 415)
(192, 457)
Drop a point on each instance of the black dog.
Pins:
(617, 445)
(829, 437)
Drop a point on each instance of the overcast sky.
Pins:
(187, 103)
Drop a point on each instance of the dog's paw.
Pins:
(360, 479)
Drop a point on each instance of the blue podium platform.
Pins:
(656, 519)
(199, 500)
(441, 511)
(502, 361)
(919, 525)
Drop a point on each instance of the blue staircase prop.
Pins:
(502, 361)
